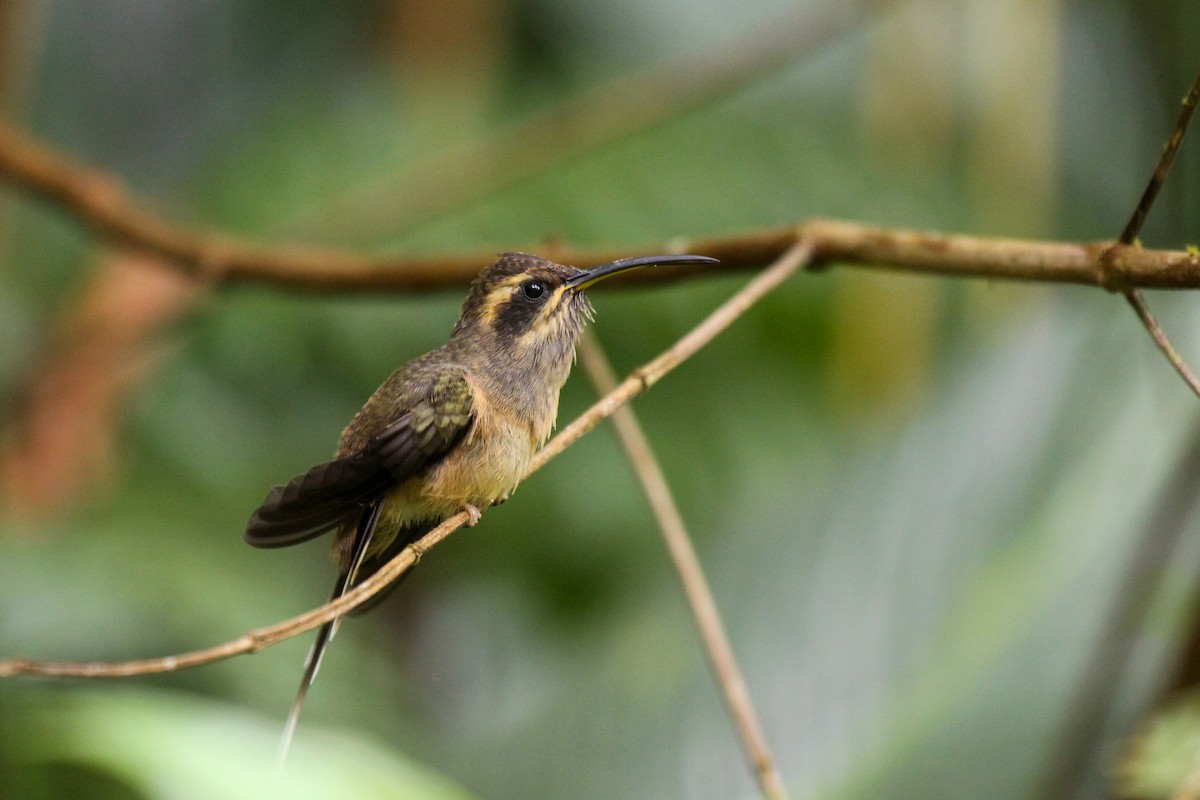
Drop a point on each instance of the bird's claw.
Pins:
(473, 513)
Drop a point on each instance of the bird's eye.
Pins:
(533, 289)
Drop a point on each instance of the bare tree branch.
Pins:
(253, 641)
(97, 200)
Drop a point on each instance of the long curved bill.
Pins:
(591, 276)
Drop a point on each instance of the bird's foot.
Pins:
(473, 513)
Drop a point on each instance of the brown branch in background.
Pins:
(253, 641)
(62, 440)
(1134, 227)
(96, 200)
(691, 574)
(22, 38)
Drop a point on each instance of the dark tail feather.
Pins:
(369, 566)
(310, 672)
(325, 634)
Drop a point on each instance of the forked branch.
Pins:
(1134, 227)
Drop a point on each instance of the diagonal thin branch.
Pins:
(1186, 112)
(691, 574)
(1159, 336)
(253, 641)
(1134, 227)
(645, 376)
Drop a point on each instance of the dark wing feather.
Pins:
(433, 427)
(338, 491)
(326, 496)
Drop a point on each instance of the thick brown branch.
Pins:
(256, 640)
(97, 200)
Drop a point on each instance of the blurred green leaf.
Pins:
(172, 745)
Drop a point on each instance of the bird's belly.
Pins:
(479, 471)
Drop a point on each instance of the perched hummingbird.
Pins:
(450, 431)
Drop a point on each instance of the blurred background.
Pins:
(952, 525)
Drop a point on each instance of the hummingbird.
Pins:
(450, 431)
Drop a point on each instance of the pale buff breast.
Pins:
(484, 468)
(479, 471)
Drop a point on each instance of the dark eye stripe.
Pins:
(525, 303)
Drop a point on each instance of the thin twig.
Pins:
(1159, 336)
(95, 199)
(1134, 227)
(256, 640)
(691, 574)
(1186, 112)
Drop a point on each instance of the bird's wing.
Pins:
(338, 491)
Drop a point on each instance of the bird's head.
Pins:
(528, 304)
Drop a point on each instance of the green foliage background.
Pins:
(914, 543)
